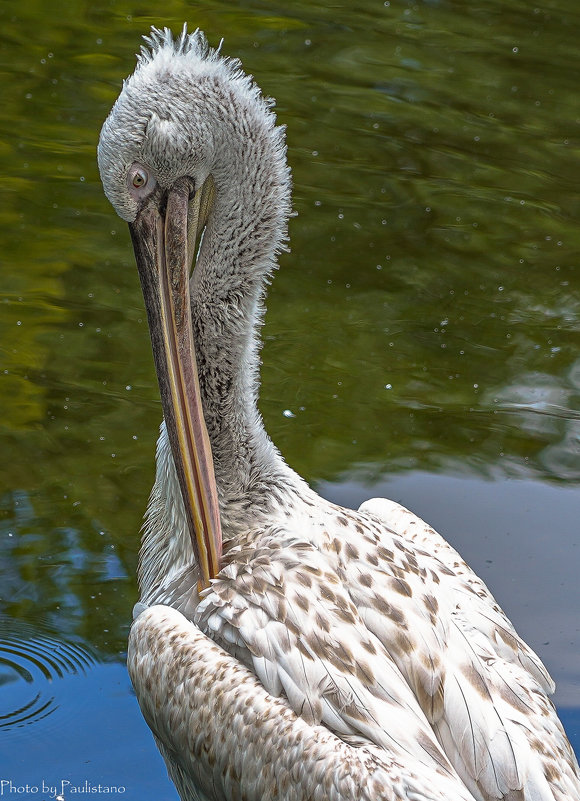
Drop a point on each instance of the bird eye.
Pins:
(140, 178)
(140, 181)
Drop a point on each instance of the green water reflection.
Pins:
(426, 319)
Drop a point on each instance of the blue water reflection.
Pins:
(94, 736)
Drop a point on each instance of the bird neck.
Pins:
(245, 231)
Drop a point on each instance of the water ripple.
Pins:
(31, 664)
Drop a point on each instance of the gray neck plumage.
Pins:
(245, 231)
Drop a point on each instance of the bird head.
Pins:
(160, 128)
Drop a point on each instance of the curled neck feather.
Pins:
(246, 229)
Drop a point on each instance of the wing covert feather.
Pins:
(378, 635)
(303, 632)
(481, 687)
(215, 721)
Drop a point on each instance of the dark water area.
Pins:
(421, 340)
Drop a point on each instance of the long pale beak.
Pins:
(164, 244)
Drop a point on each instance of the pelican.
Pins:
(284, 647)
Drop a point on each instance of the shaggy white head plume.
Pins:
(175, 115)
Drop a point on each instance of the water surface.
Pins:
(421, 338)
